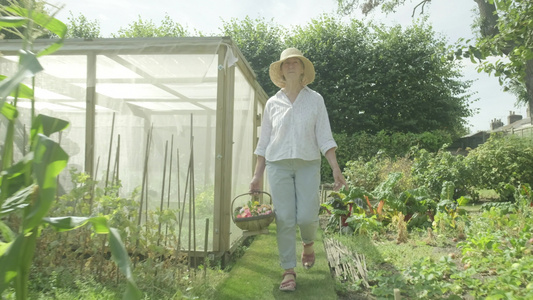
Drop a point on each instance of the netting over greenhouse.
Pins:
(169, 123)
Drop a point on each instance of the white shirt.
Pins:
(295, 130)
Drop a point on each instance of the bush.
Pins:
(502, 161)
(371, 173)
(434, 169)
(363, 147)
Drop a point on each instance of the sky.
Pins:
(451, 18)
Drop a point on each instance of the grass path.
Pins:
(257, 274)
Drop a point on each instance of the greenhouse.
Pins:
(173, 120)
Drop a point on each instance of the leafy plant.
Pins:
(524, 195)
(433, 170)
(448, 217)
(338, 205)
(363, 224)
(398, 222)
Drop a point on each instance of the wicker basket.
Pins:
(255, 223)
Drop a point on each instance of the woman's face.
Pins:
(292, 68)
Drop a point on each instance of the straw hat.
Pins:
(275, 68)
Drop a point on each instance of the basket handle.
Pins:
(245, 194)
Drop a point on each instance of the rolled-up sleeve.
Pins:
(323, 133)
(266, 130)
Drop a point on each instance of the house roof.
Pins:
(520, 124)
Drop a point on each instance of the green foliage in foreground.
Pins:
(28, 186)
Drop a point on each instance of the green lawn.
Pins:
(257, 274)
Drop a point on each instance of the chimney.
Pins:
(513, 118)
(495, 123)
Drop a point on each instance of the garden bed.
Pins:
(490, 256)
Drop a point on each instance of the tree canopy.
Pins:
(260, 42)
(81, 27)
(505, 31)
(147, 28)
(373, 78)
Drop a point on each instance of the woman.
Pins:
(295, 130)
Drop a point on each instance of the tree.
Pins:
(375, 78)
(372, 77)
(80, 27)
(505, 29)
(141, 28)
(261, 44)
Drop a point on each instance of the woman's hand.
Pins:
(256, 185)
(340, 181)
(337, 174)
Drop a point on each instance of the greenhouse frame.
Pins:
(174, 119)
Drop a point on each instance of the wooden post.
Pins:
(90, 101)
(397, 295)
(223, 152)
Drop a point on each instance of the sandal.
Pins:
(308, 260)
(289, 285)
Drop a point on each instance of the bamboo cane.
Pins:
(115, 180)
(162, 193)
(169, 183)
(117, 164)
(91, 199)
(147, 184)
(141, 202)
(24, 141)
(109, 154)
(179, 193)
(57, 178)
(182, 211)
(190, 220)
(106, 184)
(193, 197)
(205, 246)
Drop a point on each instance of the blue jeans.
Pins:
(294, 185)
